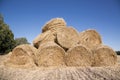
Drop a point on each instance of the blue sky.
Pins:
(26, 17)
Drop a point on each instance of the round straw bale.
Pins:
(67, 37)
(79, 56)
(22, 55)
(50, 54)
(90, 38)
(53, 23)
(44, 37)
(104, 56)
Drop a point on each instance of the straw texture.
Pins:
(104, 56)
(44, 37)
(50, 54)
(90, 38)
(22, 56)
(54, 23)
(79, 56)
(67, 37)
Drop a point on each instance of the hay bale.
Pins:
(22, 55)
(79, 56)
(50, 54)
(90, 38)
(104, 56)
(44, 37)
(67, 37)
(54, 23)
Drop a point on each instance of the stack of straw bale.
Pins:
(102, 54)
(59, 45)
(54, 41)
(79, 49)
(57, 31)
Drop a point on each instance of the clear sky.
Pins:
(26, 17)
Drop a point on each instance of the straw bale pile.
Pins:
(50, 54)
(59, 45)
(104, 56)
(23, 56)
(62, 45)
(60, 53)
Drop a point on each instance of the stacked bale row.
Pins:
(59, 45)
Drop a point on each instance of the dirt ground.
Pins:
(61, 73)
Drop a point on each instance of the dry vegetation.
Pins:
(54, 23)
(43, 37)
(50, 54)
(90, 38)
(104, 56)
(79, 56)
(60, 53)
